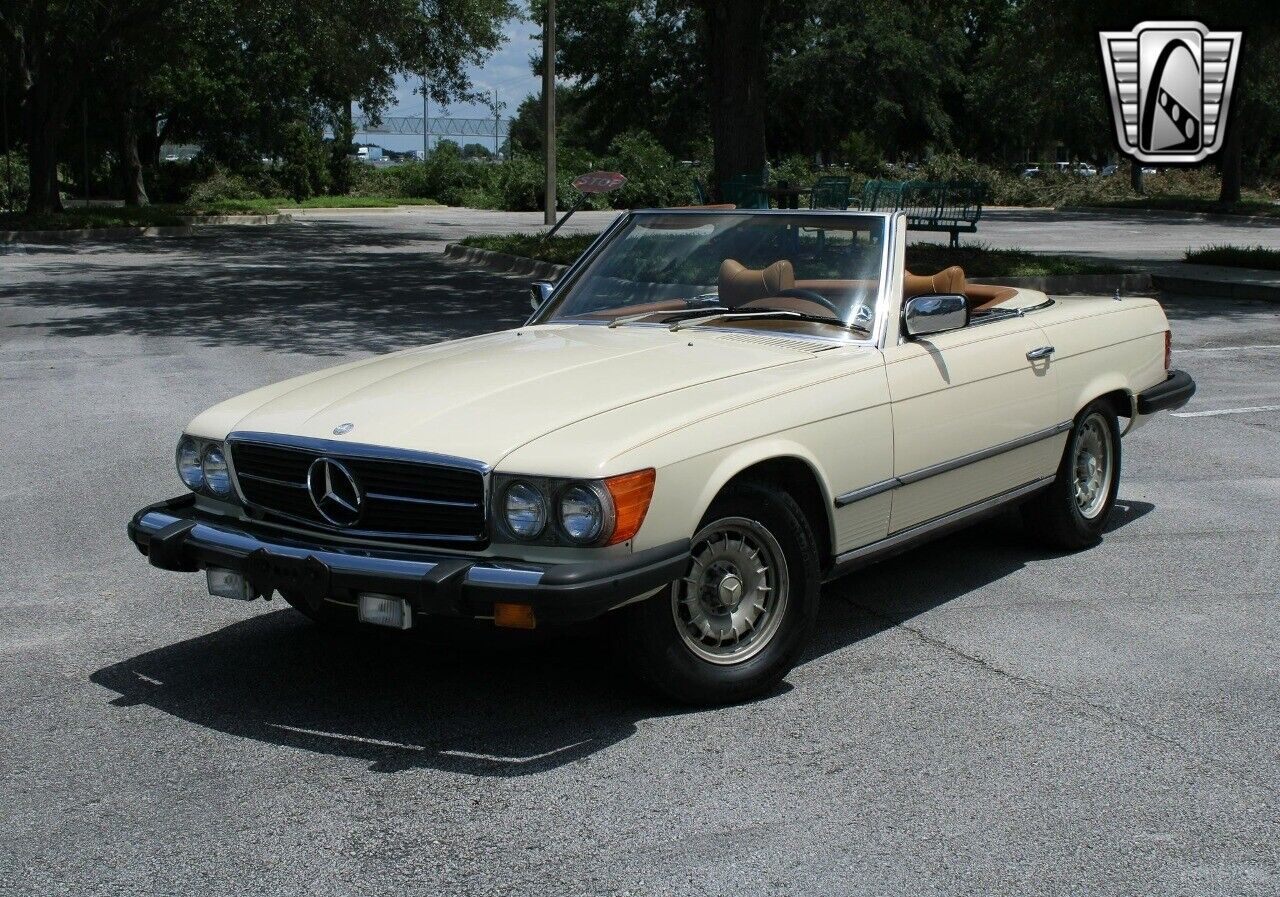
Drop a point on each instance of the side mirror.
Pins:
(925, 315)
(539, 292)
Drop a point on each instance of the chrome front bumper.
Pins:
(175, 535)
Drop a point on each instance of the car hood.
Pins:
(483, 397)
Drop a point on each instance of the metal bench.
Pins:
(951, 206)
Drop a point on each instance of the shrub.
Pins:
(221, 186)
(14, 181)
(304, 171)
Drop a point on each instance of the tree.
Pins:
(234, 75)
(736, 77)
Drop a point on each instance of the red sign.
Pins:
(599, 181)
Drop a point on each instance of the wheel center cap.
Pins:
(730, 589)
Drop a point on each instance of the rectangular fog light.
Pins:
(229, 584)
(383, 610)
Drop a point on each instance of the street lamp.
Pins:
(549, 102)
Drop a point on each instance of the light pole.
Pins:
(549, 102)
(426, 122)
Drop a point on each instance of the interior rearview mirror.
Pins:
(539, 292)
(925, 315)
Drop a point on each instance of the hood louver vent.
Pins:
(784, 343)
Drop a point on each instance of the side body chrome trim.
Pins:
(933, 470)
(904, 539)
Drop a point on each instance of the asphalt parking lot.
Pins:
(975, 717)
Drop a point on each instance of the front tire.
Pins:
(1072, 513)
(737, 622)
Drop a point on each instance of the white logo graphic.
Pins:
(1170, 86)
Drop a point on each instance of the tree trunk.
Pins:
(126, 138)
(135, 191)
(736, 64)
(44, 116)
(1232, 151)
(1135, 175)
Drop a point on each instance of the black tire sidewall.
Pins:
(1090, 528)
(660, 653)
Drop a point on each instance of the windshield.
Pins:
(737, 269)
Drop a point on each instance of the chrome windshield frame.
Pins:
(888, 250)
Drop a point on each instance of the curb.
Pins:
(1062, 284)
(1215, 289)
(193, 223)
(245, 220)
(1077, 284)
(1171, 213)
(503, 263)
(329, 210)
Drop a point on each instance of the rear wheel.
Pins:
(737, 621)
(1073, 512)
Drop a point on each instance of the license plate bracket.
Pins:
(273, 572)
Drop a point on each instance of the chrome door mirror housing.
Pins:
(539, 292)
(929, 314)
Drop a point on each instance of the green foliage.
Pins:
(221, 186)
(979, 260)
(559, 250)
(14, 182)
(1261, 257)
(304, 169)
(654, 177)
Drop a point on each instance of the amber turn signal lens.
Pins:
(1168, 349)
(514, 616)
(631, 493)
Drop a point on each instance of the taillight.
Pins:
(1168, 349)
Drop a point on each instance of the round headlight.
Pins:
(581, 514)
(188, 459)
(216, 475)
(526, 510)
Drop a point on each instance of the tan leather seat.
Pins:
(951, 280)
(740, 284)
(948, 281)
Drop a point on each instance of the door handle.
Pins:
(1040, 354)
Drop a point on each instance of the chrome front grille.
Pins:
(405, 496)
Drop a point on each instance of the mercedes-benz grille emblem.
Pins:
(334, 491)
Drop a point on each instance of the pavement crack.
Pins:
(1064, 695)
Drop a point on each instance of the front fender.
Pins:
(685, 490)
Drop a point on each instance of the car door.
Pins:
(973, 416)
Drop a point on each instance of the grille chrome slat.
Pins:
(406, 499)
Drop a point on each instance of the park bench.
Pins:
(950, 206)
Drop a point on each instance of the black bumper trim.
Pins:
(175, 535)
(1173, 393)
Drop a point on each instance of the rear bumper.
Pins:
(175, 535)
(1174, 392)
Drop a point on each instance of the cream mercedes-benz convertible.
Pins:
(711, 414)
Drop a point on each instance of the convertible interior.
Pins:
(777, 287)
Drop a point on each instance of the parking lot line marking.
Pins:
(1218, 411)
(1219, 348)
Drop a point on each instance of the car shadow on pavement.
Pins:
(483, 702)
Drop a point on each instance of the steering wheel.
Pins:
(813, 296)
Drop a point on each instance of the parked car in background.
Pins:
(711, 414)
(1031, 171)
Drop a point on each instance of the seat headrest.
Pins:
(739, 284)
(947, 281)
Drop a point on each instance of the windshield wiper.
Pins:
(631, 319)
(760, 315)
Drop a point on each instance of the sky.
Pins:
(507, 70)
